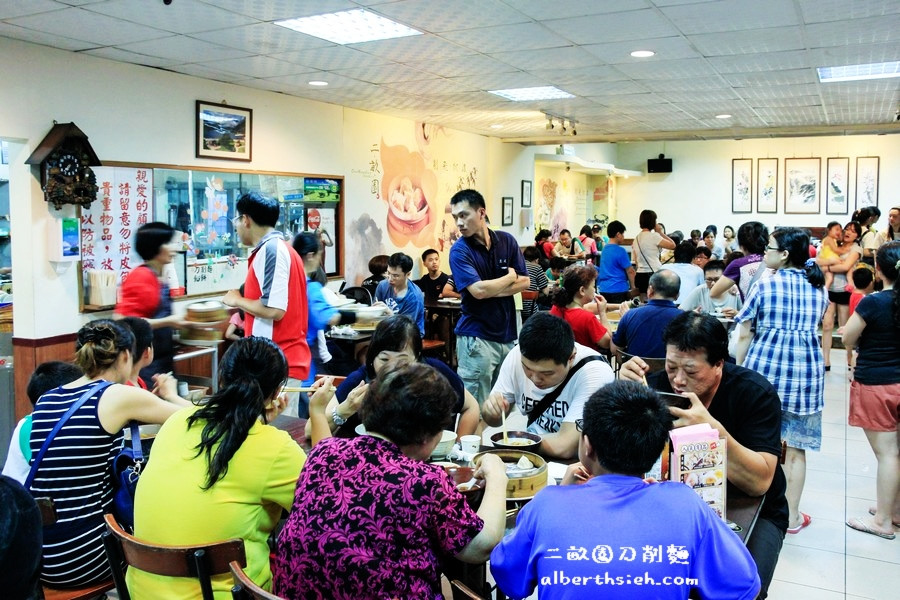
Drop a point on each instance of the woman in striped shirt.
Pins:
(75, 471)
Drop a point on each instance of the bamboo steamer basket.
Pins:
(213, 317)
(520, 487)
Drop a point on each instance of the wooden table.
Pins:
(450, 311)
(352, 344)
(197, 349)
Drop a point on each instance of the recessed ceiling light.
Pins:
(496, 126)
(723, 116)
(317, 83)
(643, 53)
(547, 92)
(882, 70)
(349, 27)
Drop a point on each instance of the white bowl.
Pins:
(448, 438)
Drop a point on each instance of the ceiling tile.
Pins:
(180, 47)
(775, 39)
(184, 16)
(259, 66)
(470, 64)
(818, 11)
(613, 27)
(646, 99)
(692, 84)
(731, 15)
(502, 38)
(18, 8)
(873, 30)
(763, 61)
(609, 88)
(273, 10)
(427, 15)
(854, 55)
(334, 81)
(132, 57)
(416, 47)
(331, 58)
(723, 95)
(428, 87)
(46, 39)
(668, 69)
(385, 73)
(790, 101)
(262, 38)
(561, 75)
(791, 77)
(500, 81)
(548, 58)
(206, 72)
(668, 48)
(560, 9)
(79, 24)
(778, 91)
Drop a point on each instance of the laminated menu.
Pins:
(699, 461)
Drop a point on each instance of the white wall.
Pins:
(698, 191)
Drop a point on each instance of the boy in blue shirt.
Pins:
(396, 293)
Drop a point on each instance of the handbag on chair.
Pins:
(126, 469)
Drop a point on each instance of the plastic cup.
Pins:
(470, 444)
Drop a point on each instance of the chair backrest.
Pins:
(201, 561)
(463, 592)
(245, 589)
(655, 364)
(529, 295)
(360, 294)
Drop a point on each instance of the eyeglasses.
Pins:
(236, 220)
(579, 425)
(712, 279)
(773, 249)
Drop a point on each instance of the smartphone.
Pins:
(676, 400)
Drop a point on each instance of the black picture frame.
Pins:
(507, 219)
(526, 193)
(223, 132)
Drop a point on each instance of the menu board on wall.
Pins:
(108, 226)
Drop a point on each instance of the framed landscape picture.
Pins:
(224, 131)
(866, 181)
(741, 185)
(507, 211)
(837, 179)
(801, 185)
(767, 185)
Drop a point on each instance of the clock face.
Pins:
(69, 164)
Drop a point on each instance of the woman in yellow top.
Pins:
(219, 471)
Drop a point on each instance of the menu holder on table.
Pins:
(699, 460)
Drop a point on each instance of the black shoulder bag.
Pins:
(550, 398)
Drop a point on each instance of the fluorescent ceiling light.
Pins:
(882, 70)
(723, 116)
(349, 27)
(547, 92)
(643, 53)
(317, 83)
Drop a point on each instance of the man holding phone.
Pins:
(745, 409)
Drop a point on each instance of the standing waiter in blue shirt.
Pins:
(488, 269)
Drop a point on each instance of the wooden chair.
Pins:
(244, 588)
(463, 592)
(655, 364)
(435, 346)
(360, 294)
(48, 517)
(200, 562)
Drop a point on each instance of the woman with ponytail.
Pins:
(786, 309)
(220, 471)
(75, 471)
(575, 300)
(874, 328)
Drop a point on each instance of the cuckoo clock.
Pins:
(65, 157)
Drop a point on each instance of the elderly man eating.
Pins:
(743, 406)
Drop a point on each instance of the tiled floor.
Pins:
(828, 560)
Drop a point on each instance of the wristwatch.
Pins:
(338, 419)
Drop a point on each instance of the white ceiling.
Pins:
(753, 59)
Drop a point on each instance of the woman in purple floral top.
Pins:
(370, 518)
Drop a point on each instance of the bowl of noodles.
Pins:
(517, 440)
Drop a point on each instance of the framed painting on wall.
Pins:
(507, 211)
(866, 181)
(837, 179)
(223, 131)
(801, 185)
(526, 193)
(767, 185)
(741, 185)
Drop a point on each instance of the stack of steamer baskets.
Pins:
(211, 317)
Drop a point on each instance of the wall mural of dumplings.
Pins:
(410, 191)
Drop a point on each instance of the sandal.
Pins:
(894, 523)
(804, 523)
(860, 525)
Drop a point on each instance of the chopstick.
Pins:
(644, 380)
(310, 389)
(505, 433)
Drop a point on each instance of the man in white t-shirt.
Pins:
(537, 366)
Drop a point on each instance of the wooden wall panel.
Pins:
(28, 353)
